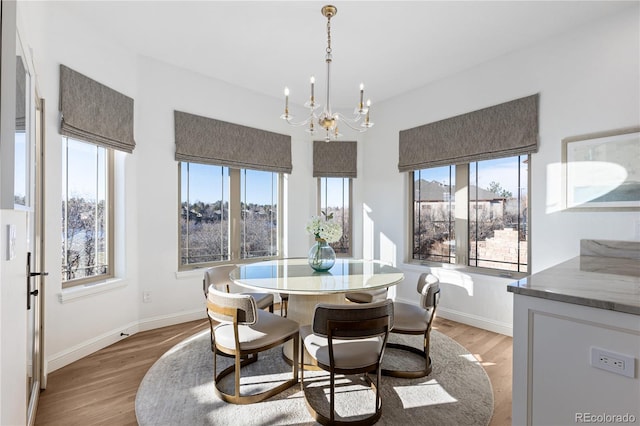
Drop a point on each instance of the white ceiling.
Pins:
(391, 46)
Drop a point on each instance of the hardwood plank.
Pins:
(101, 388)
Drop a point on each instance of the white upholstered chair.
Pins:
(219, 277)
(347, 339)
(367, 296)
(243, 331)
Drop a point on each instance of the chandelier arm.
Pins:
(298, 123)
(349, 122)
(353, 120)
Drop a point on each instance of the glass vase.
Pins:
(321, 256)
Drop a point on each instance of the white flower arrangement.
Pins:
(326, 230)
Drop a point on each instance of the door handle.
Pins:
(29, 276)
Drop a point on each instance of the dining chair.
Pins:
(218, 276)
(416, 320)
(367, 296)
(243, 331)
(347, 339)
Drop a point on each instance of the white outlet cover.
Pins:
(613, 358)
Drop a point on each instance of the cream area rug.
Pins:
(178, 389)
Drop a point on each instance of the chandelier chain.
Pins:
(329, 35)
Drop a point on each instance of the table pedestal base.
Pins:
(300, 309)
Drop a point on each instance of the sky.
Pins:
(208, 184)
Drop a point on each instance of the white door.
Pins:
(28, 199)
(34, 272)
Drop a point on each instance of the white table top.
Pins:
(295, 276)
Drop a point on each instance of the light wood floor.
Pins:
(101, 388)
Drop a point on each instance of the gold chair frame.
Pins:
(244, 358)
(424, 353)
(340, 329)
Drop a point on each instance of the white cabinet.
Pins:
(554, 382)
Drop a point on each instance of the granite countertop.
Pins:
(602, 282)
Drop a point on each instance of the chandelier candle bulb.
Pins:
(313, 82)
(286, 102)
(361, 95)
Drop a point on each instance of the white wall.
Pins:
(162, 89)
(87, 320)
(588, 81)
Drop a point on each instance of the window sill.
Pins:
(191, 273)
(87, 290)
(419, 266)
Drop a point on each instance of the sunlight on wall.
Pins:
(285, 217)
(588, 184)
(388, 253)
(368, 238)
(388, 250)
(595, 181)
(453, 277)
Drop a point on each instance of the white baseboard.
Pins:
(171, 319)
(476, 321)
(92, 345)
(470, 319)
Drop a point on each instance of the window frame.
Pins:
(110, 214)
(350, 199)
(235, 220)
(461, 226)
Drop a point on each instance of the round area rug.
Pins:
(179, 390)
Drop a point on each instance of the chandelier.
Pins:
(328, 120)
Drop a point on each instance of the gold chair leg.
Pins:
(236, 368)
(423, 353)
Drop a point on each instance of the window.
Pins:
(212, 199)
(87, 212)
(204, 213)
(486, 228)
(434, 215)
(335, 198)
(259, 218)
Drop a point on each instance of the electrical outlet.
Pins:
(146, 297)
(613, 362)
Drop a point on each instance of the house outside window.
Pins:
(473, 214)
(227, 214)
(87, 212)
(334, 198)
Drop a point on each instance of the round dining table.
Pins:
(306, 287)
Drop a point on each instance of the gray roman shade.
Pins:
(209, 141)
(502, 130)
(94, 112)
(335, 159)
